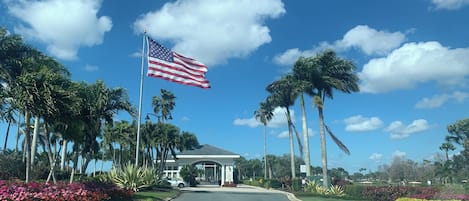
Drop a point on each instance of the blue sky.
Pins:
(412, 58)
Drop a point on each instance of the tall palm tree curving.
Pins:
(264, 114)
(283, 93)
(327, 72)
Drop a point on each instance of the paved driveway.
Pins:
(242, 192)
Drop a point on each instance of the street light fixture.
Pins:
(147, 117)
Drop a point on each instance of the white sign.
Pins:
(302, 168)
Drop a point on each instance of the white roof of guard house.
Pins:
(207, 151)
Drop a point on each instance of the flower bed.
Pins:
(406, 193)
(92, 191)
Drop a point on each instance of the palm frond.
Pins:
(337, 141)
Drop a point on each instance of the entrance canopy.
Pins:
(216, 163)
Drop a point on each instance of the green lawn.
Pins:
(155, 195)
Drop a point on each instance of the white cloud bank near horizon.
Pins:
(61, 29)
(222, 29)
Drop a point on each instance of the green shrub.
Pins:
(133, 177)
(275, 183)
(11, 166)
(296, 184)
(354, 191)
(188, 174)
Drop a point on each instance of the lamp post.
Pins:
(147, 117)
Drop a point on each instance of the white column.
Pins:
(223, 174)
(229, 174)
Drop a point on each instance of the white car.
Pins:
(177, 182)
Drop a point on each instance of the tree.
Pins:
(283, 93)
(458, 132)
(446, 147)
(188, 174)
(164, 104)
(98, 107)
(264, 114)
(326, 72)
(167, 142)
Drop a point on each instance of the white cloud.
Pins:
(212, 31)
(449, 4)
(283, 134)
(399, 154)
(376, 157)
(185, 118)
(399, 131)
(460, 96)
(439, 100)
(433, 102)
(415, 63)
(368, 40)
(291, 55)
(359, 123)
(64, 26)
(279, 119)
(91, 68)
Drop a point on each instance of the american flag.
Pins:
(169, 65)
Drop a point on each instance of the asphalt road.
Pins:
(230, 196)
(242, 192)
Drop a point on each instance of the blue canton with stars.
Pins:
(158, 51)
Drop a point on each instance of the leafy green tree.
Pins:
(327, 72)
(264, 114)
(188, 174)
(188, 141)
(446, 147)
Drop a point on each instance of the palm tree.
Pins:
(327, 72)
(447, 146)
(264, 114)
(164, 104)
(168, 140)
(283, 93)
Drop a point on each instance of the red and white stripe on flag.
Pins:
(166, 64)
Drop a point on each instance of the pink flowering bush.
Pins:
(89, 191)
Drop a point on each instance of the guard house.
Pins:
(215, 164)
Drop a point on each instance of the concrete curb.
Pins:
(289, 195)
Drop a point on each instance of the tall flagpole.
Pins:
(137, 150)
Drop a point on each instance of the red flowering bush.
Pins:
(384, 193)
(90, 191)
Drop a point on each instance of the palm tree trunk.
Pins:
(49, 155)
(292, 146)
(64, 153)
(34, 142)
(6, 136)
(26, 149)
(18, 123)
(265, 151)
(323, 148)
(305, 136)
